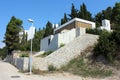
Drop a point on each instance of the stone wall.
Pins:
(20, 63)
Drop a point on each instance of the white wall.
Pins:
(65, 38)
(61, 38)
(53, 44)
(105, 25)
(44, 43)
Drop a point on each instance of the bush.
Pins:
(94, 31)
(24, 55)
(108, 45)
(47, 53)
(61, 45)
(51, 68)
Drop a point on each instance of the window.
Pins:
(48, 41)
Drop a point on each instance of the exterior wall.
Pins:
(83, 24)
(44, 43)
(61, 38)
(65, 38)
(105, 25)
(20, 63)
(75, 23)
(68, 27)
(80, 31)
(53, 44)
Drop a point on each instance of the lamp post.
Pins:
(30, 55)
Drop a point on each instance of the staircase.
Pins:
(63, 55)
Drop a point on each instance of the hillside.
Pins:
(63, 55)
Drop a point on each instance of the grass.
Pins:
(62, 45)
(77, 66)
(24, 55)
(45, 54)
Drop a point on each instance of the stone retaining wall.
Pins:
(20, 63)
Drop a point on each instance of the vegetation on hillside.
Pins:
(108, 46)
(79, 67)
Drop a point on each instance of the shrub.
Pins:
(47, 53)
(94, 31)
(51, 68)
(24, 55)
(61, 45)
(107, 45)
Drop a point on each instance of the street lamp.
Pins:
(30, 55)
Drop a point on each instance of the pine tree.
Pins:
(84, 13)
(107, 13)
(37, 39)
(73, 12)
(98, 19)
(12, 34)
(49, 29)
(65, 19)
(116, 13)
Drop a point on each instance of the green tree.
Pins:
(73, 12)
(107, 13)
(23, 42)
(49, 29)
(98, 19)
(37, 38)
(3, 52)
(84, 13)
(65, 19)
(115, 18)
(116, 13)
(12, 34)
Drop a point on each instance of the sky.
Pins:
(42, 11)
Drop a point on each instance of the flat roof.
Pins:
(74, 19)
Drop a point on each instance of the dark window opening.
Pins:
(48, 41)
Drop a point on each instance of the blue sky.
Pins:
(42, 11)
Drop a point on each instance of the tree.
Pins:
(98, 19)
(49, 29)
(65, 19)
(3, 52)
(107, 13)
(84, 13)
(23, 42)
(116, 13)
(12, 34)
(73, 12)
(37, 38)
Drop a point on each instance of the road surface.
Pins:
(9, 72)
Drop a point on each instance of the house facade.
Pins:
(65, 33)
(105, 25)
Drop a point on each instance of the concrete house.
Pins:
(65, 34)
(105, 25)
